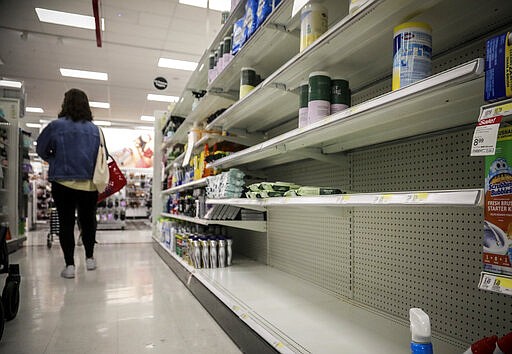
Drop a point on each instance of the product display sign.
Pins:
(130, 148)
(484, 137)
(160, 83)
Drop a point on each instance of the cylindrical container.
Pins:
(227, 50)
(303, 104)
(319, 101)
(224, 15)
(213, 253)
(247, 81)
(205, 253)
(412, 53)
(340, 95)
(313, 23)
(229, 252)
(197, 253)
(222, 253)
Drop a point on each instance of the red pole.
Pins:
(96, 10)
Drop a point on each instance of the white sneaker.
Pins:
(90, 264)
(68, 272)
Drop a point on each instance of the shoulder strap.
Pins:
(102, 142)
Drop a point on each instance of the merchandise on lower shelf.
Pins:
(226, 185)
(203, 248)
(284, 189)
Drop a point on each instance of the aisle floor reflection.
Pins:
(132, 303)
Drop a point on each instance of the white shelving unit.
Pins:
(407, 112)
(460, 198)
(297, 317)
(371, 255)
(191, 185)
(258, 226)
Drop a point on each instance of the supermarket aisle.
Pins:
(132, 303)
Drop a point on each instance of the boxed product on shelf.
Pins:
(238, 36)
(226, 185)
(265, 7)
(497, 241)
(498, 67)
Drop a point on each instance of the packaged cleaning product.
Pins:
(265, 7)
(498, 67)
(412, 53)
(250, 18)
(497, 241)
(238, 36)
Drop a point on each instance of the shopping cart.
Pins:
(10, 299)
(54, 227)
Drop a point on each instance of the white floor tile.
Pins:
(132, 303)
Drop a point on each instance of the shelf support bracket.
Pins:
(282, 28)
(242, 136)
(230, 94)
(316, 154)
(279, 86)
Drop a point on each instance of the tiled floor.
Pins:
(132, 303)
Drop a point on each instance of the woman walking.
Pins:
(70, 146)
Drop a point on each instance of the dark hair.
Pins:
(76, 106)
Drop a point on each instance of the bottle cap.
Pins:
(420, 326)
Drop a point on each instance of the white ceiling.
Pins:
(137, 33)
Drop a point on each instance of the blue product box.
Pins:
(498, 68)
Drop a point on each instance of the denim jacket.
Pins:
(70, 148)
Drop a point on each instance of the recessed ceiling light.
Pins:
(33, 125)
(103, 123)
(34, 110)
(93, 75)
(147, 118)
(218, 5)
(68, 19)
(105, 105)
(177, 64)
(10, 83)
(161, 98)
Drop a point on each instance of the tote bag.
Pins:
(116, 181)
(101, 171)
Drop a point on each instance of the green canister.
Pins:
(319, 102)
(340, 95)
(303, 104)
(247, 81)
(226, 57)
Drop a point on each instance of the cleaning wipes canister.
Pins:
(340, 95)
(303, 104)
(497, 241)
(319, 104)
(412, 53)
(313, 23)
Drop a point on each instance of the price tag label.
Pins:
(383, 199)
(496, 283)
(485, 136)
(501, 110)
(416, 198)
(345, 199)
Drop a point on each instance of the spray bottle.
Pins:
(420, 332)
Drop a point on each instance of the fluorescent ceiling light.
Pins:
(10, 83)
(68, 19)
(218, 5)
(147, 118)
(177, 64)
(33, 125)
(34, 143)
(103, 123)
(34, 110)
(93, 75)
(105, 105)
(161, 98)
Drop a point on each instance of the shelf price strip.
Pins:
(497, 283)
